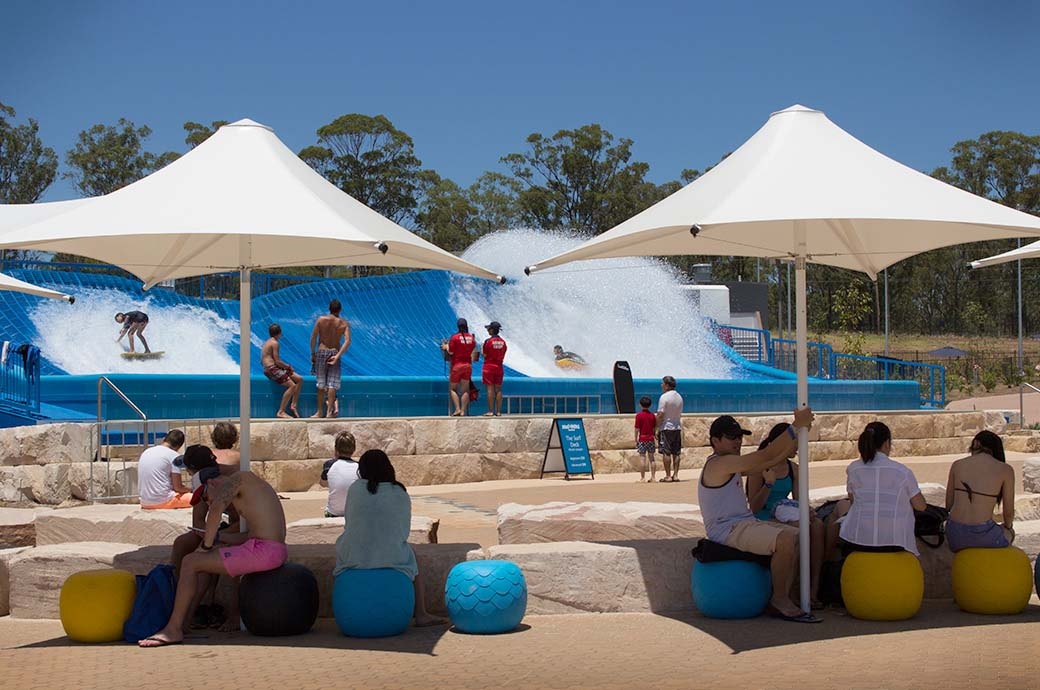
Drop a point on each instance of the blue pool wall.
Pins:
(199, 397)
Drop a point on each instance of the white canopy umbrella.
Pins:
(239, 201)
(15, 285)
(804, 189)
(1030, 251)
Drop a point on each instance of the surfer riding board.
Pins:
(568, 360)
(134, 323)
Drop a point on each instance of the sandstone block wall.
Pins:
(48, 464)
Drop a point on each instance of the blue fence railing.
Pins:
(757, 345)
(20, 380)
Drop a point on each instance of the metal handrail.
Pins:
(102, 381)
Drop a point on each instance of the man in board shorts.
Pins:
(330, 339)
(669, 423)
(261, 548)
(462, 352)
(281, 373)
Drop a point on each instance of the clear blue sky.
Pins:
(687, 81)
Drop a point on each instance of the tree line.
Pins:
(586, 180)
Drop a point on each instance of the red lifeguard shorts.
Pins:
(492, 374)
(460, 372)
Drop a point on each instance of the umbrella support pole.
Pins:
(802, 367)
(245, 295)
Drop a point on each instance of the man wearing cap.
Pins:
(728, 518)
(669, 422)
(159, 480)
(261, 548)
(462, 352)
(494, 350)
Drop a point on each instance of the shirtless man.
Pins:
(134, 322)
(261, 548)
(329, 340)
(281, 373)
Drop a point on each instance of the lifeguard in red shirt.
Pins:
(462, 352)
(494, 350)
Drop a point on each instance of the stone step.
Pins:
(597, 521)
(328, 530)
(36, 575)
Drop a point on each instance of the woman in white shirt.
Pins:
(884, 495)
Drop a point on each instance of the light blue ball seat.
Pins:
(486, 597)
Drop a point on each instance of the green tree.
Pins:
(107, 158)
(372, 161)
(580, 179)
(446, 217)
(495, 197)
(27, 167)
(198, 132)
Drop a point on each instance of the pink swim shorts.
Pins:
(253, 556)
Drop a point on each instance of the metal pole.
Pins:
(789, 295)
(1021, 358)
(803, 433)
(245, 294)
(886, 312)
(779, 302)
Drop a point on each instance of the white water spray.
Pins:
(80, 338)
(605, 310)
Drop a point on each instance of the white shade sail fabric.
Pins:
(15, 285)
(802, 188)
(190, 217)
(1030, 251)
(859, 209)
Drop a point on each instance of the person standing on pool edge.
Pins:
(134, 323)
(330, 339)
(494, 349)
(462, 351)
(669, 424)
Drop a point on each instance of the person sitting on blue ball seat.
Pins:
(377, 522)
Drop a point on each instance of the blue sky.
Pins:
(687, 81)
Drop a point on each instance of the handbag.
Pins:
(930, 524)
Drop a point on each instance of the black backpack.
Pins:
(930, 523)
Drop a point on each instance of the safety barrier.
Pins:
(931, 377)
(20, 380)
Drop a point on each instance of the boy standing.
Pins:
(646, 424)
(281, 373)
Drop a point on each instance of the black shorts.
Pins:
(669, 441)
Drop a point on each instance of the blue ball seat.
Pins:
(486, 597)
(375, 602)
(730, 589)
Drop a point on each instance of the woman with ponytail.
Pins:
(884, 495)
(376, 524)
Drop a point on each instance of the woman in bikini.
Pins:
(977, 485)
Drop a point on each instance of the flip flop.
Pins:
(800, 618)
(666, 479)
(162, 643)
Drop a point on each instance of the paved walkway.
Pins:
(941, 648)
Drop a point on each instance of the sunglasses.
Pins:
(733, 437)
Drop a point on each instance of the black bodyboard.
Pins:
(624, 390)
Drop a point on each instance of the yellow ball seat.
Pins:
(992, 581)
(95, 604)
(882, 586)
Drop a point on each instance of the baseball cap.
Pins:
(726, 426)
(494, 325)
(197, 457)
(205, 474)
